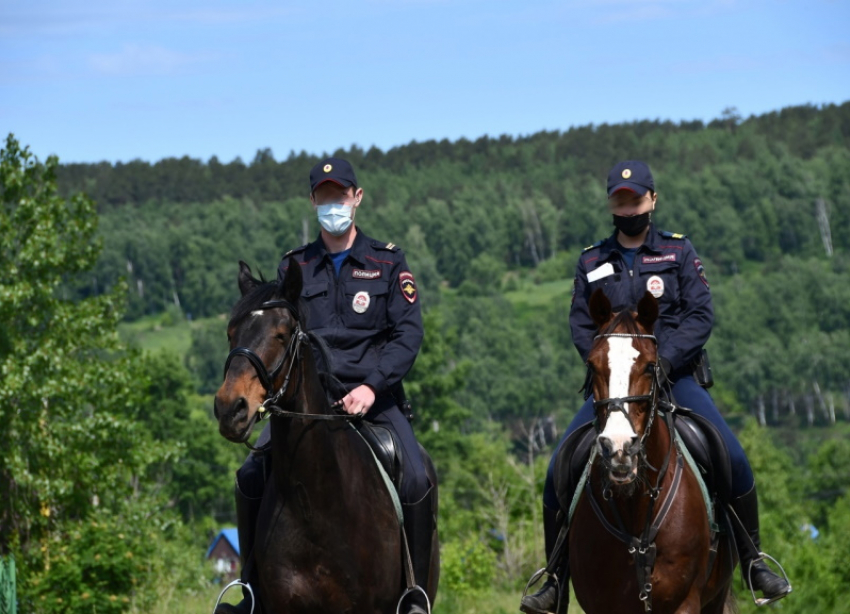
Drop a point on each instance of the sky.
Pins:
(118, 80)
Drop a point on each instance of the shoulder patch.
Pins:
(672, 235)
(295, 251)
(590, 247)
(390, 247)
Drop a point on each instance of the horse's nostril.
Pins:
(606, 446)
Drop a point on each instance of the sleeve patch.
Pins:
(701, 271)
(408, 286)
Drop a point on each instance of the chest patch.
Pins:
(361, 302)
(657, 259)
(366, 273)
(655, 286)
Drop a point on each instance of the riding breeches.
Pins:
(385, 413)
(688, 394)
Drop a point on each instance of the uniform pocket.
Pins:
(315, 296)
(661, 281)
(366, 304)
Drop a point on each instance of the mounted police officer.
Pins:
(360, 297)
(637, 258)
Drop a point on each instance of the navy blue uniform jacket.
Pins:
(375, 345)
(666, 263)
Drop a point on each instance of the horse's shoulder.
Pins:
(672, 235)
(594, 246)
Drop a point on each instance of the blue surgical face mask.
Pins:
(335, 218)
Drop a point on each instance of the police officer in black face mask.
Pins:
(635, 259)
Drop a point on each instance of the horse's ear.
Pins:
(600, 308)
(293, 281)
(647, 312)
(246, 280)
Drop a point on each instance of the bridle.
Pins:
(272, 405)
(613, 404)
(642, 548)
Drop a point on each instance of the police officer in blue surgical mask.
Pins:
(635, 259)
(360, 297)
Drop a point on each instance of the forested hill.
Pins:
(488, 225)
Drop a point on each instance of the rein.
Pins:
(271, 406)
(641, 548)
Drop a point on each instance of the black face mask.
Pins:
(632, 226)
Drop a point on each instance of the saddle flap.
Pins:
(383, 444)
(706, 445)
(573, 456)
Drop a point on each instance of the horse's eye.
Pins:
(650, 368)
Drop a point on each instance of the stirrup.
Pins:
(536, 577)
(236, 582)
(760, 601)
(413, 589)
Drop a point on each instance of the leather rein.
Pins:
(642, 548)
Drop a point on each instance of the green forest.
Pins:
(117, 278)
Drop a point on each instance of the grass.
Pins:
(162, 332)
(496, 602)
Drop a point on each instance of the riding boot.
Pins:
(419, 527)
(247, 510)
(753, 567)
(545, 601)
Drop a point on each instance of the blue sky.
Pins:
(94, 80)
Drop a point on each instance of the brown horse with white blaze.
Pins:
(641, 538)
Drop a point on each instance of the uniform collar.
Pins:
(650, 244)
(358, 248)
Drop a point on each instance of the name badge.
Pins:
(599, 272)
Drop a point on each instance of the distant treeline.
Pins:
(765, 200)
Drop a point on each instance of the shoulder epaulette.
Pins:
(672, 235)
(390, 247)
(295, 251)
(590, 247)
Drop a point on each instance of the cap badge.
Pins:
(655, 286)
(328, 168)
(627, 172)
(361, 302)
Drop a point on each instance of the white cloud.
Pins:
(143, 60)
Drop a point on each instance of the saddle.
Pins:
(386, 449)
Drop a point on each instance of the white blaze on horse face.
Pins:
(621, 358)
(259, 312)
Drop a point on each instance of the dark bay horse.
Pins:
(640, 538)
(328, 535)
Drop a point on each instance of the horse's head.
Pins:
(265, 336)
(624, 382)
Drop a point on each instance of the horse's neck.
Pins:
(303, 449)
